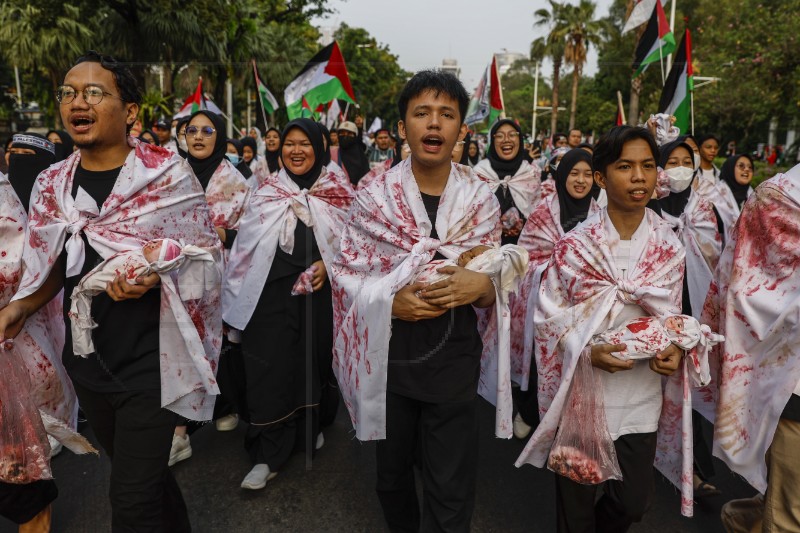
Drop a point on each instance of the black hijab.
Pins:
(573, 211)
(501, 166)
(152, 136)
(66, 147)
(242, 167)
(473, 160)
(465, 151)
(24, 168)
(326, 135)
(353, 159)
(309, 127)
(181, 121)
(397, 158)
(205, 168)
(728, 174)
(273, 156)
(675, 203)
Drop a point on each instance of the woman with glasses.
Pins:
(735, 177)
(277, 292)
(226, 194)
(514, 181)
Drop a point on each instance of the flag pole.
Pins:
(661, 61)
(346, 111)
(621, 108)
(263, 111)
(672, 29)
(691, 104)
(535, 102)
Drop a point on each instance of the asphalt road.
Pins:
(336, 492)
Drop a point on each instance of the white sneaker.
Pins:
(55, 446)
(181, 449)
(320, 441)
(257, 477)
(521, 429)
(227, 422)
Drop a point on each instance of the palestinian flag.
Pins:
(657, 41)
(323, 79)
(196, 102)
(487, 100)
(268, 101)
(675, 97)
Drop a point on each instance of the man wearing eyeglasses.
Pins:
(106, 202)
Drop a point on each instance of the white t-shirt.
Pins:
(709, 175)
(632, 397)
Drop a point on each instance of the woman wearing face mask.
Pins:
(574, 199)
(695, 221)
(285, 247)
(234, 153)
(514, 181)
(226, 194)
(736, 174)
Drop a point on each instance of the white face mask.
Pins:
(696, 160)
(679, 178)
(182, 143)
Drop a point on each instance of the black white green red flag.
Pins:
(676, 95)
(323, 79)
(656, 43)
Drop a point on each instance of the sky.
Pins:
(423, 32)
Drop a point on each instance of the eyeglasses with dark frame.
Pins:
(194, 131)
(92, 94)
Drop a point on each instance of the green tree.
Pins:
(43, 40)
(375, 74)
(552, 46)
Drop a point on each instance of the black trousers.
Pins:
(623, 502)
(136, 433)
(528, 401)
(703, 463)
(443, 439)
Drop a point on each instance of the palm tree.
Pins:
(572, 29)
(48, 39)
(581, 30)
(553, 46)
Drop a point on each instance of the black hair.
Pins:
(609, 148)
(128, 88)
(576, 129)
(438, 82)
(703, 138)
(559, 135)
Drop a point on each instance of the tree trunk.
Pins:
(55, 80)
(576, 74)
(554, 113)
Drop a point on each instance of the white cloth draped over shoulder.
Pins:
(524, 185)
(386, 244)
(155, 196)
(759, 296)
(539, 236)
(718, 194)
(697, 229)
(580, 294)
(227, 195)
(42, 339)
(268, 222)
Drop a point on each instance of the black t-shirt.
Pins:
(126, 338)
(436, 360)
